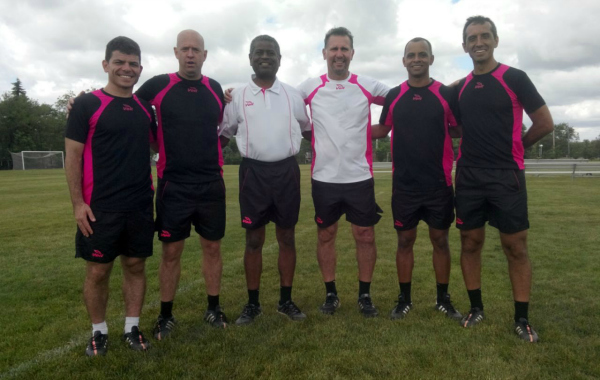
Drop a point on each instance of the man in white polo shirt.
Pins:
(342, 172)
(268, 118)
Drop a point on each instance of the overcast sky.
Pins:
(54, 46)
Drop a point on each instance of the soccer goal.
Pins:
(31, 159)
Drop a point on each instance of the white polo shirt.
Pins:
(341, 118)
(267, 123)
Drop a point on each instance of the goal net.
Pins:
(28, 159)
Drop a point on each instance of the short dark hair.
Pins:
(265, 38)
(479, 20)
(340, 31)
(419, 39)
(123, 44)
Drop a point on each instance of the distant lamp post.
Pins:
(541, 146)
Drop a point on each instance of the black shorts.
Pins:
(129, 233)
(495, 195)
(435, 207)
(179, 205)
(356, 200)
(269, 191)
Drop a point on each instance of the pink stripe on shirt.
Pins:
(87, 179)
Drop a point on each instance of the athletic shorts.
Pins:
(435, 207)
(179, 205)
(356, 200)
(495, 195)
(269, 191)
(129, 233)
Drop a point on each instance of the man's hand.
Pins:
(227, 95)
(70, 103)
(83, 214)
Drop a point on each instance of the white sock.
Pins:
(130, 322)
(102, 327)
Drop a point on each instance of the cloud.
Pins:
(55, 46)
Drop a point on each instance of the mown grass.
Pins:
(45, 327)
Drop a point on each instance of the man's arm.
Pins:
(542, 125)
(379, 131)
(224, 141)
(73, 168)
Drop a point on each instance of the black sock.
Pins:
(475, 298)
(521, 310)
(363, 288)
(166, 309)
(213, 302)
(405, 289)
(330, 287)
(285, 294)
(253, 297)
(442, 290)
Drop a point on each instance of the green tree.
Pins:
(558, 143)
(18, 89)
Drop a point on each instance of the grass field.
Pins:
(45, 327)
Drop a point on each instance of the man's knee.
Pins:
(98, 273)
(286, 238)
(472, 241)
(133, 265)
(406, 240)
(515, 246)
(327, 235)
(364, 235)
(211, 248)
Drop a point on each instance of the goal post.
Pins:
(36, 159)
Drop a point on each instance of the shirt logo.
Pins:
(479, 85)
(127, 107)
(97, 253)
(319, 220)
(398, 223)
(192, 89)
(247, 220)
(165, 233)
(339, 87)
(249, 103)
(417, 97)
(459, 221)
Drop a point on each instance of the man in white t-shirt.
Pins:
(268, 118)
(342, 172)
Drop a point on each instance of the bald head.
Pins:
(190, 34)
(190, 53)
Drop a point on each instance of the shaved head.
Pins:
(189, 34)
(190, 53)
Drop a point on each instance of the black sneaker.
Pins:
(447, 308)
(135, 340)
(401, 309)
(290, 309)
(332, 302)
(216, 318)
(164, 327)
(365, 306)
(473, 318)
(524, 330)
(250, 312)
(98, 344)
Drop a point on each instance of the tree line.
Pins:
(25, 124)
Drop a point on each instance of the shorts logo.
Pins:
(417, 97)
(319, 220)
(398, 223)
(97, 253)
(479, 85)
(459, 221)
(249, 103)
(127, 107)
(339, 87)
(247, 220)
(165, 233)
(192, 89)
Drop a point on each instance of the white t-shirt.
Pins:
(341, 117)
(268, 123)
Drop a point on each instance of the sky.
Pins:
(56, 46)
